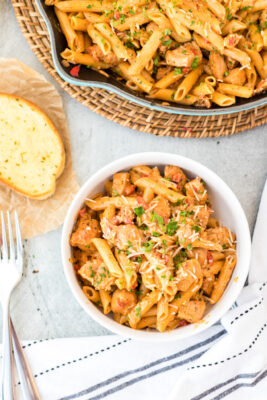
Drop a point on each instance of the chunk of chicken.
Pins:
(199, 254)
(123, 301)
(192, 311)
(162, 207)
(236, 77)
(176, 175)
(208, 284)
(217, 65)
(127, 235)
(263, 19)
(188, 273)
(162, 71)
(196, 190)
(203, 101)
(261, 86)
(184, 55)
(201, 215)
(86, 229)
(122, 184)
(98, 55)
(80, 257)
(220, 235)
(95, 272)
(125, 216)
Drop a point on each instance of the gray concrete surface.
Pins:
(43, 306)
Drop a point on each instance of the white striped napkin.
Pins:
(226, 361)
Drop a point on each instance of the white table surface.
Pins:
(42, 305)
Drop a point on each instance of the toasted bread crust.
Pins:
(55, 131)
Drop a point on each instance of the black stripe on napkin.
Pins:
(145, 367)
(220, 385)
(242, 384)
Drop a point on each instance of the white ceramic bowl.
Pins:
(227, 209)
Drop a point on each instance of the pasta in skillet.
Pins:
(149, 250)
(191, 52)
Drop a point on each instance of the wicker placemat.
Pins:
(123, 111)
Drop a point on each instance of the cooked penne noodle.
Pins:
(105, 299)
(117, 46)
(255, 37)
(70, 35)
(139, 80)
(181, 30)
(157, 48)
(159, 189)
(203, 89)
(147, 322)
(168, 95)
(257, 62)
(235, 90)
(141, 255)
(78, 24)
(84, 5)
(146, 53)
(223, 279)
(142, 308)
(238, 55)
(169, 79)
(91, 294)
(108, 257)
(223, 100)
(251, 76)
(93, 17)
(82, 58)
(99, 39)
(187, 84)
(233, 26)
(260, 5)
(104, 202)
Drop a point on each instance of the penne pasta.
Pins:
(161, 48)
(146, 258)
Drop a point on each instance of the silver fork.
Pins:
(11, 267)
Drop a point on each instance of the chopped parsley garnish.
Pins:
(139, 211)
(196, 228)
(189, 246)
(143, 227)
(167, 42)
(138, 259)
(229, 15)
(226, 73)
(177, 296)
(156, 60)
(171, 228)
(167, 32)
(138, 311)
(178, 71)
(148, 246)
(178, 203)
(155, 234)
(195, 62)
(156, 217)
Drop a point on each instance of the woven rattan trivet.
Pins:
(123, 111)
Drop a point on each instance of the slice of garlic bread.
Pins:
(32, 154)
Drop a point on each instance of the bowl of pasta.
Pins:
(182, 56)
(155, 246)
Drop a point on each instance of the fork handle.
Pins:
(28, 385)
(7, 371)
